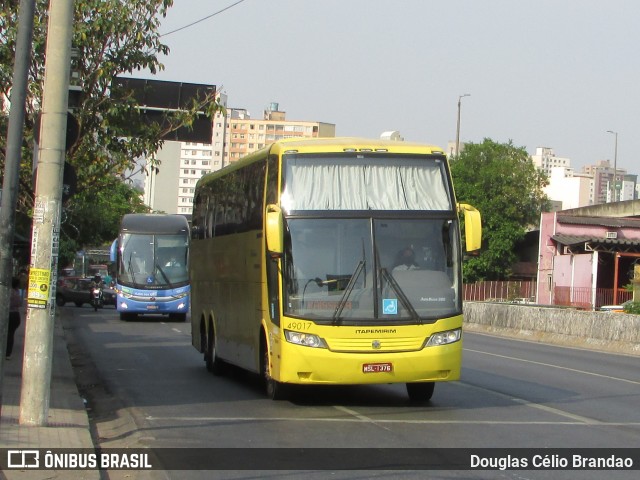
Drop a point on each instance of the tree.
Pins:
(93, 218)
(502, 182)
(111, 38)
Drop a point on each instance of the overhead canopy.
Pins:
(590, 243)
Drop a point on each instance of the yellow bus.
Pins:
(332, 261)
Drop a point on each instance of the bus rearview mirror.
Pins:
(274, 225)
(472, 227)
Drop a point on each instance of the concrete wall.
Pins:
(628, 208)
(617, 332)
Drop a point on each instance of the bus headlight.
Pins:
(444, 338)
(304, 339)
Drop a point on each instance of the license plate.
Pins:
(152, 307)
(377, 367)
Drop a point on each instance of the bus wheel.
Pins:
(214, 364)
(178, 317)
(128, 317)
(274, 389)
(420, 392)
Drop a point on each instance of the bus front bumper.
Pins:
(129, 305)
(306, 365)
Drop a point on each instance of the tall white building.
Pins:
(572, 189)
(545, 159)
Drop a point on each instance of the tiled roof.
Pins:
(579, 239)
(601, 221)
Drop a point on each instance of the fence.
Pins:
(525, 292)
(505, 291)
(585, 298)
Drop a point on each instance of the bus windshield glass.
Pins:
(368, 270)
(365, 182)
(153, 261)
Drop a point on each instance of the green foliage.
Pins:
(111, 38)
(501, 181)
(632, 307)
(93, 218)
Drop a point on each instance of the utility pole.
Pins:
(15, 135)
(38, 347)
(458, 124)
(614, 193)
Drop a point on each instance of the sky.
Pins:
(540, 73)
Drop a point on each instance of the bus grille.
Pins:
(373, 345)
(136, 298)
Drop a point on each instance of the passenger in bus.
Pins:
(405, 260)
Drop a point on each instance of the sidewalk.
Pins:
(68, 425)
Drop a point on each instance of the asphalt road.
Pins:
(147, 387)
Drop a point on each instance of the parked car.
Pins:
(73, 289)
(612, 308)
(77, 290)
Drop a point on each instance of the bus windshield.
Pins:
(153, 261)
(361, 182)
(369, 270)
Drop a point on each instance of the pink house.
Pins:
(586, 260)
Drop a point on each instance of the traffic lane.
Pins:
(326, 417)
(506, 424)
(593, 386)
(152, 366)
(599, 362)
(159, 367)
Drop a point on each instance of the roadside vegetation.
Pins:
(501, 181)
(111, 38)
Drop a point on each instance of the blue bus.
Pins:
(151, 258)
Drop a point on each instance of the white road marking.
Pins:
(584, 372)
(364, 419)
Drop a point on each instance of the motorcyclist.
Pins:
(96, 282)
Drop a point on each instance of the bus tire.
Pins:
(420, 392)
(213, 363)
(178, 317)
(127, 317)
(275, 390)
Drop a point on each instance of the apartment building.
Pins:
(170, 189)
(571, 189)
(602, 173)
(545, 159)
(592, 186)
(243, 135)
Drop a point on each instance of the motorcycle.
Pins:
(96, 298)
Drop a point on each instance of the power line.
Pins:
(202, 19)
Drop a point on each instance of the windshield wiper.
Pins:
(130, 268)
(166, 279)
(347, 291)
(403, 298)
